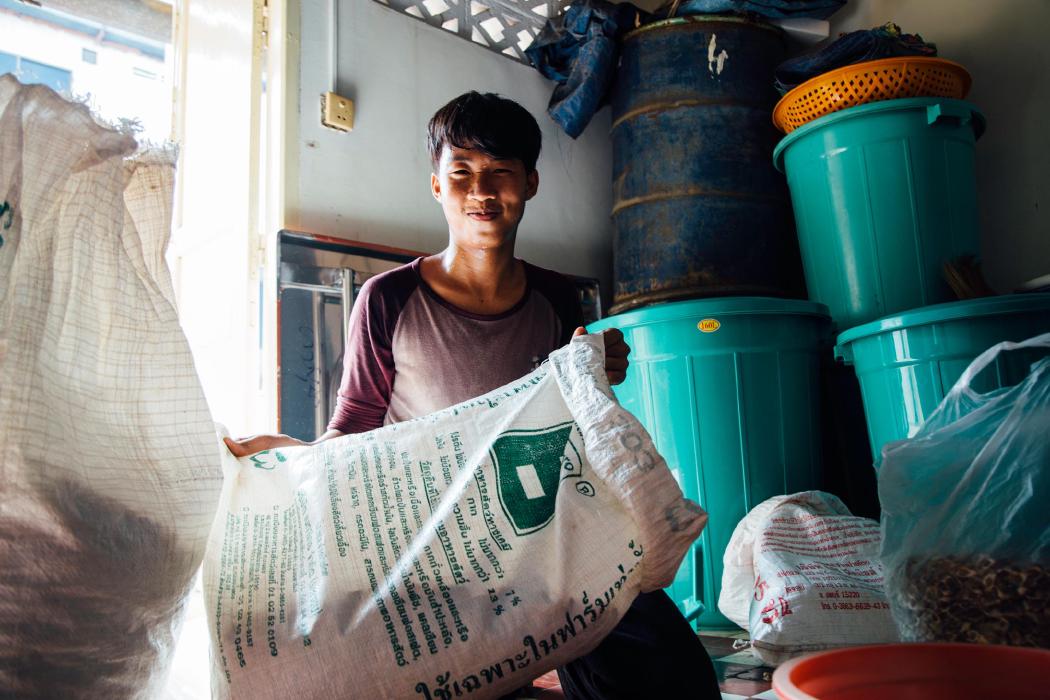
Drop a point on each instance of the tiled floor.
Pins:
(740, 675)
(768, 695)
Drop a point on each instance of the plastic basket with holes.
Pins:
(871, 81)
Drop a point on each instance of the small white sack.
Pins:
(802, 574)
(462, 553)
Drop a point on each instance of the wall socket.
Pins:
(337, 112)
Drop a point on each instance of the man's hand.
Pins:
(616, 352)
(258, 443)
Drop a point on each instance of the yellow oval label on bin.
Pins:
(709, 325)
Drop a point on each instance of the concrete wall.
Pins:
(374, 184)
(1003, 44)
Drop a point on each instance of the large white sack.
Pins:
(801, 574)
(109, 471)
(463, 553)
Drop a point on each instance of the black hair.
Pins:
(494, 125)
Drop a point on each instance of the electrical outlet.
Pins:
(337, 112)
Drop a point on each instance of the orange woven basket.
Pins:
(871, 81)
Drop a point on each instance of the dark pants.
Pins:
(652, 653)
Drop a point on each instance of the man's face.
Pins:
(483, 198)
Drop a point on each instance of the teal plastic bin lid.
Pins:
(720, 306)
(937, 109)
(952, 311)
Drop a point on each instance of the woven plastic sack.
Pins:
(801, 574)
(966, 535)
(462, 553)
(109, 468)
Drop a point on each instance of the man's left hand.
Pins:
(616, 352)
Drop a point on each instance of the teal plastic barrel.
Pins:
(883, 194)
(907, 363)
(729, 390)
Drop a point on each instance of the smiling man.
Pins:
(455, 325)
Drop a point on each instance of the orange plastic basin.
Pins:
(917, 672)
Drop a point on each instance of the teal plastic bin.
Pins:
(729, 390)
(883, 194)
(907, 363)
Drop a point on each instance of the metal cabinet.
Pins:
(318, 279)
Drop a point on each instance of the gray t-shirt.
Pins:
(409, 352)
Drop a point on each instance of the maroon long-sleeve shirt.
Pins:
(409, 352)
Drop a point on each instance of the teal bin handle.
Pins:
(955, 113)
(695, 612)
(844, 353)
(988, 357)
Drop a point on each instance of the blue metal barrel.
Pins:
(698, 208)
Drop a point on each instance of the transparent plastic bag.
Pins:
(965, 526)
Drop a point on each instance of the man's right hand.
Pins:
(257, 443)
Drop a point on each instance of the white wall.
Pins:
(374, 184)
(1004, 46)
(214, 246)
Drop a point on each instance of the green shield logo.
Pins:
(530, 465)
